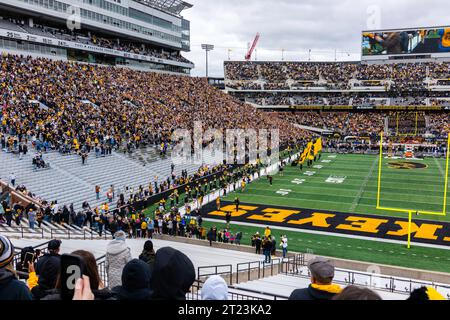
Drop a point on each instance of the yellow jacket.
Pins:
(32, 280)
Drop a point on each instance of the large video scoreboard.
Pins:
(431, 42)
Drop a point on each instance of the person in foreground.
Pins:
(356, 293)
(215, 288)
(11, 288)
(173, 275)
(425, 293)
(321, 287)
(96, 285)
(135, 282)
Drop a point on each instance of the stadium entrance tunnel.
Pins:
(373, 226)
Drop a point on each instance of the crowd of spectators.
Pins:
(405, 77)
(129, 216)
(439, 123)
(163, 274)
(345, 123)
(160, 104)
(370, 124)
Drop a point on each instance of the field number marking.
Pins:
(298, 181)
(284, 192)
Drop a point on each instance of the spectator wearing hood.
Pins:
(321, 287)
(148, 254)
(11, 288)
(47, 270)
(215, 288)
(173, 275)
(136, 277)
(118, 254)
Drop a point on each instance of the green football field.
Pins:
(349, 183)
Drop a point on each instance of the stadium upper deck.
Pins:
(144, 34)
(350, 84)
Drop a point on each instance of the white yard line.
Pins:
(440, 167)
(363, 186)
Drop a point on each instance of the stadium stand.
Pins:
(86, 146)
(339, 83)
(89, 38)
(273, 281)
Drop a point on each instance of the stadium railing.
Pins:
(17, 257)
(234, 293)
(227, 273)
(101, 266)
(263, 269)
(245, 271)
(67, 234)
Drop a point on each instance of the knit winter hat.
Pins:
(6, 251)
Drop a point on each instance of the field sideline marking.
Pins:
(322, 185)
(327, 201)
(363, 186)
(324, 233)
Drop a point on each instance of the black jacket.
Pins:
(311, 293)
(11, 288)
(47, 268)
(267, 245)
(136, 277)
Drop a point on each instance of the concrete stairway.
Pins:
(50, 230)
(68, 181)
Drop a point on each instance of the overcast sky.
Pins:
(327, 27)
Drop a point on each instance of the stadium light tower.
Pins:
(207, 48)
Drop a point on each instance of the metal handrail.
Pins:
(194, 293)
(17, 256)
(229, 272)
(248, 269)
(57, 232)
(101, 266)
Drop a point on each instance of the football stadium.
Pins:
(126, 174)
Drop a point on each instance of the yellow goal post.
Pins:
(410, 211)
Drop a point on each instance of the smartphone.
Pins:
(72, 269)
(29, 257)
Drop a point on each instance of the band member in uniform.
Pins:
(218, 203)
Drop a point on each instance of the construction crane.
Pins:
(248, 56)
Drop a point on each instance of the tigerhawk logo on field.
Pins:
(407, 165)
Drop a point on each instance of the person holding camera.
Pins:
(47, 270)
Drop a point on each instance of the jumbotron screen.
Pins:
(411, 41)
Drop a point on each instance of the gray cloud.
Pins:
(297, 26)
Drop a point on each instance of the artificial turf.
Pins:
(415, 189)
(423, 258)
(318, 188)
